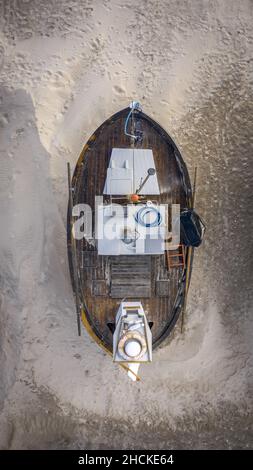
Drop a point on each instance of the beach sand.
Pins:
(66, 67)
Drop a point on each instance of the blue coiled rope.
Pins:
(143, 212)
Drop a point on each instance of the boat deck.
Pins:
(105, 280)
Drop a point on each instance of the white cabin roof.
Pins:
(127, 169)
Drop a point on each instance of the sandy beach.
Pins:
(65, 68)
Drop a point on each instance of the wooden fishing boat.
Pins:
(102, 278)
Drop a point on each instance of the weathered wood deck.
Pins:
(104, 280)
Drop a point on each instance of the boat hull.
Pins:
(102, 281)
